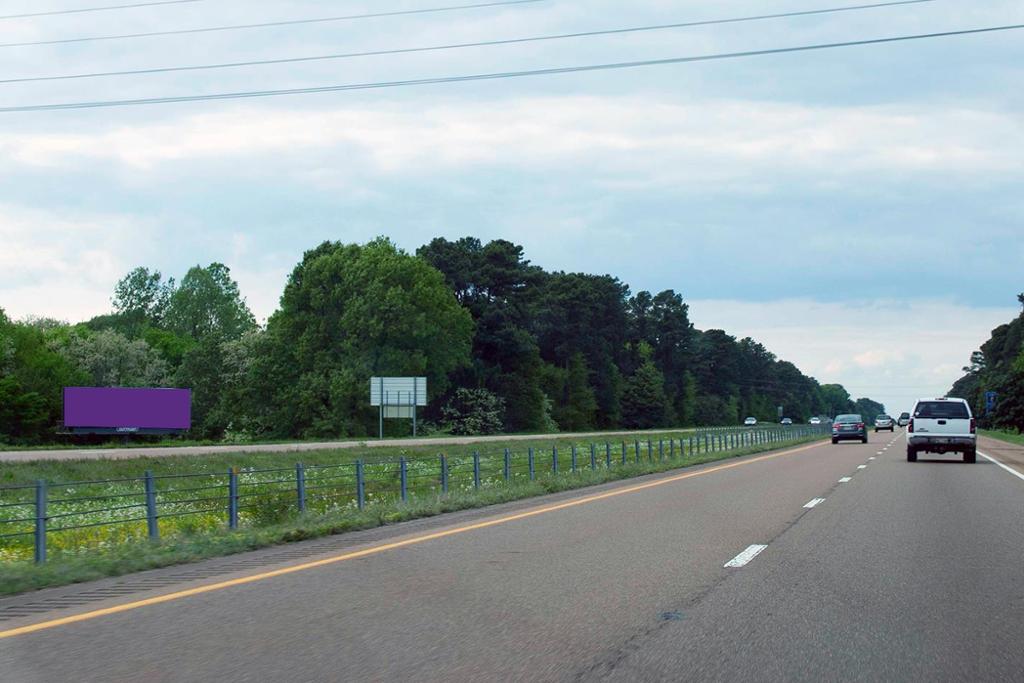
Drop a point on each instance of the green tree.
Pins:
(474, 412)
(580, 411)
(498, 286)
(208, 302)
(586, 314)
(109, 359)
(32, 377)
(837, 400)
(869, 409)
(142, 296)
(350, 312)
(644, 404)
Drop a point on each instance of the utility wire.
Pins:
(82, 10)
(269, 24)
(454, 46)
(497, 75)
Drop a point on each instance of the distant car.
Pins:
(884, 422)
(786, 421)
(750, 422)
(849, 428)
(942, 425)
(904, 419)
(814, 421)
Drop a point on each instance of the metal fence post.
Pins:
(151, 524)
(40, 550)
(650, 451)
(508, 464)
(233, 498)
(554, 459)
(607, 455)
(533, 471)
(661, 450)
(444, 473)
(300, 485)
(403, 476)
(360, 485)
(705, 442)
(636, 450)
(623, 452)
(476, 470)
(593, 456)
(573, 461)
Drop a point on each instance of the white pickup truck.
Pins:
(942, 425)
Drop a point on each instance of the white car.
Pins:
(942, 425)
(814, 421)
(750, 422)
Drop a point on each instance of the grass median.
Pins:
(132, 554)
(1008, 437)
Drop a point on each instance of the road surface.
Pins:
(872, 569)
(297, 447)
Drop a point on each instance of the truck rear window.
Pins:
(941, 410)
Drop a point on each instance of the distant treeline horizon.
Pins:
(505, 345)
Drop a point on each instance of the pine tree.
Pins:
(644, 405)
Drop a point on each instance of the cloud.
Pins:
(64, 266)
(621, 140)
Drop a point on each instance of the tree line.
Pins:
(505, 345)
(997, 368)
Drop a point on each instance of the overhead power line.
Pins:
(269, 24)
(498, 75)
(82, 10)
(454, 46)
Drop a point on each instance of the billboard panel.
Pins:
(127, 409)
(398, 391)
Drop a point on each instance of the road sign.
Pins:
(397, 398)
(398, 391)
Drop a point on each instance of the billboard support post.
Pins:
(398, 398)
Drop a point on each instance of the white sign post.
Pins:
(398, 398)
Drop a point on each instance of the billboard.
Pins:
(398, 391)
(123, 410)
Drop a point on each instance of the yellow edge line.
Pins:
(199, 590)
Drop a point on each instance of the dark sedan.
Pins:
(849, 428)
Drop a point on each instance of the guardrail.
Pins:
(84, 515)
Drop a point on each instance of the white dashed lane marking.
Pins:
(814, 503)
(861, 467)
(845, 479)
(746, 556)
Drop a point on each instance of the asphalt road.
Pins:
(293, 447)
(906, 572)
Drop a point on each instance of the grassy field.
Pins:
(1009, 437)
(115, 547)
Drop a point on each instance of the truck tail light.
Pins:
(974, 427)
(910, 426)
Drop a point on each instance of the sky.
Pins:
(856, 210)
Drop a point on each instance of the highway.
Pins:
(872, 568)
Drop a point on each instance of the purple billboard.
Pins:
(127, 410)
